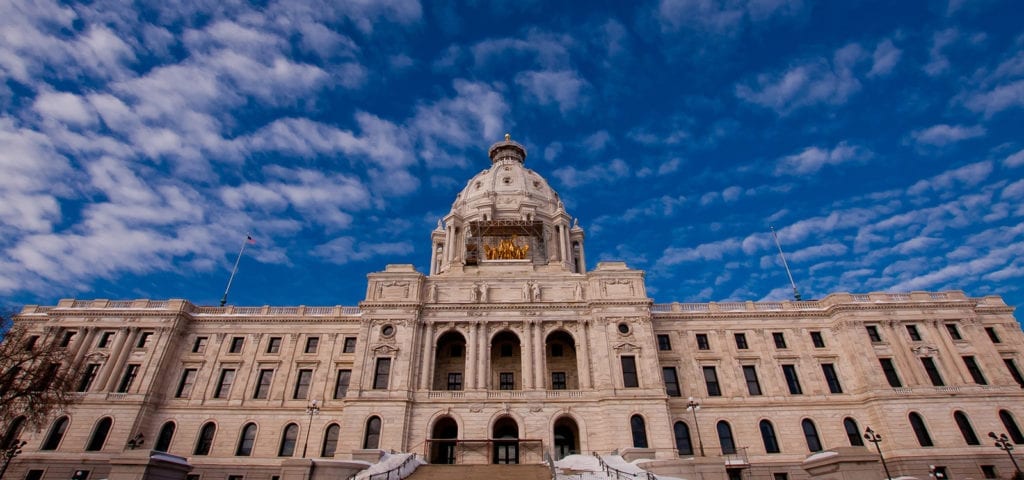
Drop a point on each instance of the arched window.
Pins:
(163, 441)
(966, 430)
(288, 438)
(683, 443)
(920, 430)
(205, 441)
(811, 435)
(99, 435)
(771, 444)
(372, 437)
(725, 438)
(12, 433)
(853, 432)
(330, 440)
(56, 434)
(1011, 427)
(246, 440)
(639, 429)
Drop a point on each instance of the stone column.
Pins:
(471, 354)
(583, 358)
(448, 243)
(428, 342)
(118, 358)
(483, 357)
(538, 363)
(81, 346)
(527, 355)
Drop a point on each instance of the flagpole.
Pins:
(224, 299)
(796, 293)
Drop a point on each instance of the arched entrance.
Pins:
(505, 435)
(567, 438)
(450, 362)
(442, 451)
(506, 367)
(560, 356)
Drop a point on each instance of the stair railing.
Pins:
(619, 474)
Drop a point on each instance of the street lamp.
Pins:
(933, 473)
(312, 409)
(875, 438)
(8, 453)
(692, 405)
(136, 441)
(1004, 444)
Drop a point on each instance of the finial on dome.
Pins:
(507, 150)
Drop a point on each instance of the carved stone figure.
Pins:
(534, 292)
(577, 292)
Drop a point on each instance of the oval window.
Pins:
(387, 330)
(623, 328)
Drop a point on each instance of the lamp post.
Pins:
(875, 438)
(935, 474)
(312, 409)
(1003, 443)
(8, 453)
(692, 405)
(136, 441)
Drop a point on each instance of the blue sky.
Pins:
(139, 143)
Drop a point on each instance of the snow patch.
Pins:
(390, 461)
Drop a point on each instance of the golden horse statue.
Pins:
(507, 250)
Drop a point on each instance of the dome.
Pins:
(507, 190)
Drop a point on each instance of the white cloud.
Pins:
(722, 17)
(320, 198)
(64, 107)
(997, 99)
(943, 134)
(478, 110)
(938, 63)
(812, 159)
(611, 172)
(343, 250)
(1014, 160)
(564, 88)
(884, 59)
(811, 82)
(713, 251)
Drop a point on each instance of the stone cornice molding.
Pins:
(827, 312)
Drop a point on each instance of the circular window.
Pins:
(623, 328)
(387, 330)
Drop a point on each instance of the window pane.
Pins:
(629, 377)
(129, 376)
(954, 332)
(291, 433)
(741, 341)
(853, 432)
(920, 431)
(99, 435)
(350, 345)
(914, 334)
(780, 339)
(227, 377)
(664, 342)
(682, 433)
(725, 438)
(992, 334)
(302, 382)
(771, 444)
(205, 440)
(236, 344)
(246, 441)
(506, 381)
(817, 340)
(792, 381)
(933, 371)
(274, 345)
(331, 441)
(966, 430)
(702, 342)
(341, 384)
(163, 441)
(873, 334)
(831, 377)
(558, 380)
(711, 381)
(975, 371)
(639, 430)
(263, 382)
(1014, 371)
(811, 435)
(312, 343)
(671, 381)
(188, 379)
(372, 439)
(750, 375)
(890, 372)
(382, 374)
(1011, 427)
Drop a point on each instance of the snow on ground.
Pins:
(389, 461)
(586, 467)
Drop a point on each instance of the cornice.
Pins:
(828, 311)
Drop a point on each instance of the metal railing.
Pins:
(619, 474)
(392, 474)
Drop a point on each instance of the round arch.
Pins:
(565, 433)
(443, 440)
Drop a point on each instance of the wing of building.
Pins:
(509, 349)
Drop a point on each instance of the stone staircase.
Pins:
(481, 472)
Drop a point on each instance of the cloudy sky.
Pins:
(139, 143)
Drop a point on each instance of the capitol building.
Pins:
(509, 350)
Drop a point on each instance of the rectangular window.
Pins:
(933, 371)
(35, 474)
(914, 334)
(274, 345)
(890, 372)
(506, 381)
(382, 374)
(954, 332)
(558, 380)
(993, 335)
(702, 342)
(873, 333)
(341, 384)
(629, 377)
(456, 351)
(664, 342)
(671, 381)
(350, 345)
(188, 379)
(30, 344)
(753, 384)
(817, 340)
(711, 382)
(792, 381)
(975, 370)
(227, 377)
(1014, 371)
(263, 382)
(988, 471)
(312, 343)
(200, 345)
(302, 382)
(741, 341)
(143, 339)
(455, 381)
(66, 340)
(780, 339)
(556, 350)
(105, 340)
(88, 376)
(505, 350)
(236, 477)
(129, 376)
(780, 476)
(831, 378)
(236, 345)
